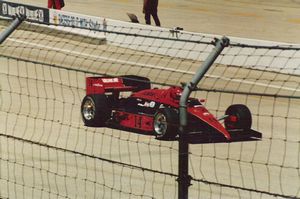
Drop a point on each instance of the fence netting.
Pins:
(47, 152)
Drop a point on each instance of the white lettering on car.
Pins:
(98, 85)
(110, 80)
(147, 104)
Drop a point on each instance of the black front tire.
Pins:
(239, 117)
(166, 123)
(95, 110)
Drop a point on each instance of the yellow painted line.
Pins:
(121, 1)
(245, 14)
(199, 9)
(295, 21)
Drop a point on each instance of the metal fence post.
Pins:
(12, 27)
(184, 179)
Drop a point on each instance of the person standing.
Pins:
(56, 4)
(150, 9)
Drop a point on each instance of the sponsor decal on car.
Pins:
(110, 80)
(147, 104)
(97, 85)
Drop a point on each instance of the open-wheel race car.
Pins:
(155, 111)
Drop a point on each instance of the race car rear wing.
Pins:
(101, 85)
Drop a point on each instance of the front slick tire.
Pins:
(239, 117)
(166, 124)
(95, 110)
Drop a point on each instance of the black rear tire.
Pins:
(239, 117)
(95, 110)
(166, 123)
(141, 83)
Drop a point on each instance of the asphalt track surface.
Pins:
(42, 126)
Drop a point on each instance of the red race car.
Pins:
(154, 111)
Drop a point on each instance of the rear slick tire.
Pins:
(165, 123)
(95, 110)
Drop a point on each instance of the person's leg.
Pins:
(57, 4)
(50, 3)
(147, 17)
(156, 19)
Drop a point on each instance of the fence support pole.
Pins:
(184, 179)
(12, 27)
